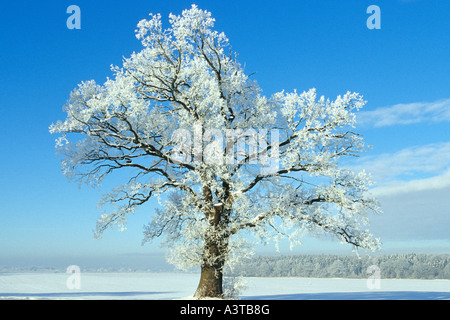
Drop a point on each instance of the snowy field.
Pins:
(168, 286)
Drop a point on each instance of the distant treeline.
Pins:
(396, 266)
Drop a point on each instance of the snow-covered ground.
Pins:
(167, 286)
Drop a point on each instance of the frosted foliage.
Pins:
(186, 77)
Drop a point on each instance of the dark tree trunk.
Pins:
(211, 281)
(214, 255)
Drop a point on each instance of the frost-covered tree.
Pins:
(224, 161)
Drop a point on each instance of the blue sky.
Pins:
(402, 70)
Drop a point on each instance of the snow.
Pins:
(171, 286)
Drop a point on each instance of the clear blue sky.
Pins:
(402, 70)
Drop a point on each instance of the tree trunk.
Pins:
(211, 282)
(214, 255)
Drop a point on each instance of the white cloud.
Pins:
(408, 162)
(409, 170)
(401, 187)
(412, 186)
(403, 114)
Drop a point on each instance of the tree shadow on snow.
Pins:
(80, 295)
(375, 295)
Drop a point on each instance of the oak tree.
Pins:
(227, 163)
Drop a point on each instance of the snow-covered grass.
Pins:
(168, 286)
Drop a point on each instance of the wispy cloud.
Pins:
(440, 181)
(403, 114)
(411, 169)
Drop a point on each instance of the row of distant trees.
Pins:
(396, 266)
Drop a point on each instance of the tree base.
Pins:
(210, 285)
